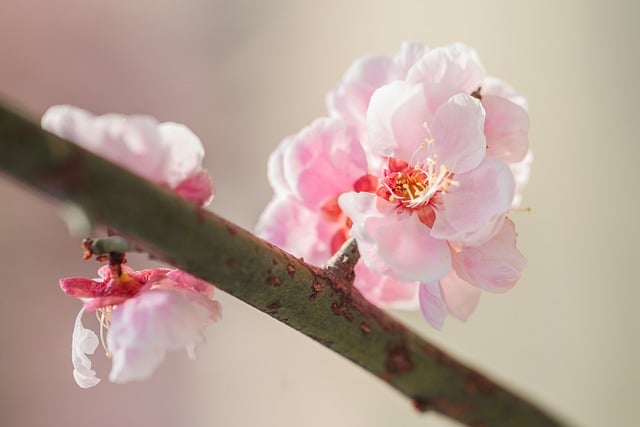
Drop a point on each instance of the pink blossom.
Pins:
(429, 148)
(440, 199)
(168, 154)
(308, 172)
(145, 313)
(455, 67)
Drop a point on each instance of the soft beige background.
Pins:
(244, 74)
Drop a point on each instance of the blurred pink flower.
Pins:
(145, 314)
(168, 154)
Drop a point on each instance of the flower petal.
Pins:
(184, 280)
(384, 291)
(460, 297)
(397, 245)
(167, 153)
(506, 128)
(495, 266)
(287, 223)
(408, 248)
(395, 119)
(498, 87)
(484, 194)
(410, 53)
(83, 342)
(197, 188)
(432, 304)
(324, 161)
(145, 327)
(185, 152)
(351, 99)
(276, 167)
(521, 171)
(458, 133)
(456, 65)
(81, 287)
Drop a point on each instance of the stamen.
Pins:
(414, 186)
(103, 315)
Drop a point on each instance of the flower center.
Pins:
(417, 187)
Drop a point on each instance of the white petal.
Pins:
(83, 342)
(185, 152)
(145, 327)
(395, 119)
(432, 304)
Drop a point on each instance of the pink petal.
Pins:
(197, 188)
(408, 248)
(145, 327)
(410, 53)
(83, 342)
(168, 153)
(458, 133)
(460, 297)
(521, 171)
(497, 87)
(506, 128)
(484, 194)
(101, 302)
(71, 123)
(132, 142)
(495, 266)
(276, 167)
(287, 223)
(351, 99)
(81, 287)
(367, 212)
(324, 161)
(384, 291)
(184, 280)
(432, 304)
(456, 65)
(395, 119)
(185, 153)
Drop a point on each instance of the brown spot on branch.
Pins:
(398, 360)
(366, 329)
(291, 270)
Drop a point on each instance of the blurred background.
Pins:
(244, 74)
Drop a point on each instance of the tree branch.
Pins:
(320, 303)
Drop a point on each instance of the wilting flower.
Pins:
(168, 154)
(144, 313)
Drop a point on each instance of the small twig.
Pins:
(105, 245)
(342, 263)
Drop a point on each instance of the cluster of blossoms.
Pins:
(144, 313)
(420, 160)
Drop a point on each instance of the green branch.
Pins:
(320, 303)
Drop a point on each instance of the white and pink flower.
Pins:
(144, 313)
(308, 172)
(455, 68)
(421, 162)
(168, 154)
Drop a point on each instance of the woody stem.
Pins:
(320, 303)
